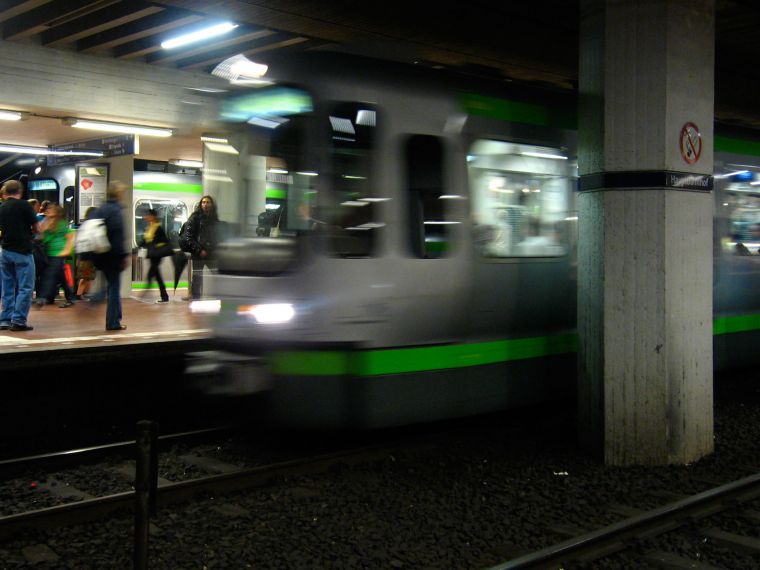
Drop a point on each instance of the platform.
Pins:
(78, 332)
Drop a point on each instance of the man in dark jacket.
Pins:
(113, 262)
(18, 224)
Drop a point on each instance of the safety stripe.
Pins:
(169, 187)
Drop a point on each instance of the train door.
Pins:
(524, 220)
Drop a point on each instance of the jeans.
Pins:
(154, 272)
(113, 297)
(51, 278)
(17, 271)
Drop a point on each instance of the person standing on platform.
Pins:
(58, 241)
(114, 261)
(200, 241)
(158, 246)
(18, 225)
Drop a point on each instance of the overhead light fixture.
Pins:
(11, 115)
(199, 35)
(220, 147)
(219, 140)
(41, 150)
(239, 69)
(544, 155)
(186, 163)
(117, 127)
(37, 170)
(207, 89)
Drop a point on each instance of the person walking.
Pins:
(58, 241)
(200, 241)
(18, 225)
(158, 246)
(114, 261)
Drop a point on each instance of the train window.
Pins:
(171, 214)
(739, 209)
(520, 198)
(350, 212)
(262, 171)
(424, 182)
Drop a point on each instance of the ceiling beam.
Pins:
(152, 25)
(252, 48)
(48, 15)
(12, 8)
(99, 21)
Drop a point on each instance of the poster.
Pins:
(92, 182)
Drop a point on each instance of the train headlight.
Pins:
(269, 313)
(208, 306)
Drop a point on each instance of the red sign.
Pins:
(691, 143)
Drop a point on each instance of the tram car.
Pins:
(422, 262)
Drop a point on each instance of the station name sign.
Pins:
(119, 145)
(646, 180)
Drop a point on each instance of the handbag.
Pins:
(161, 250)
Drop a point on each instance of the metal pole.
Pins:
(144, 468)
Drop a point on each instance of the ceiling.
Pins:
(534, 41)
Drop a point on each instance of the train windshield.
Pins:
(260, 172)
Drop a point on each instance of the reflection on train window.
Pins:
(424, 178)
(520, 198)
(262, 172)
(171, 214)
(739, 212)
(350, 211)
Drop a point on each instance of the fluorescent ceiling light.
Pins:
(188, 163)
(214, 140)
(118, 128)
(544, 155)
(277, 171)
(10, 116)
(266, 123)
(207, 89)
(39, 150)
(199, 35)
(365, 117)
(219, 147)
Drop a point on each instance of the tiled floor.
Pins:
(83, 325)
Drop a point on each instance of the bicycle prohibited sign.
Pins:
(691, 143)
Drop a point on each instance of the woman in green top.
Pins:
(58, 241)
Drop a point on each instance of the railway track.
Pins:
(205, 473)
(647, 537)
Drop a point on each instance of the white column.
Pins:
(645, 230)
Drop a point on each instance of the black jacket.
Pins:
(201, 234)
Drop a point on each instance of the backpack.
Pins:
(92, 237)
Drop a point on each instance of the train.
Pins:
(420, 263)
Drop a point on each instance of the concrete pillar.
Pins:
(645, 230)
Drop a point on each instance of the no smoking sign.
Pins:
(691, 143)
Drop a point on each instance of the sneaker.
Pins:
(4, 326)
(18, 327)
(119, 328)
(66, 304)
(162, 301)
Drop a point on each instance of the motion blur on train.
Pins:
(403, 244)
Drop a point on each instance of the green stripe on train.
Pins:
(418, 359)
(518, 112)
(276, 193)
(737, 146)
(169, 187)
(421, 359)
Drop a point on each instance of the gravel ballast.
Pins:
(487, 494)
